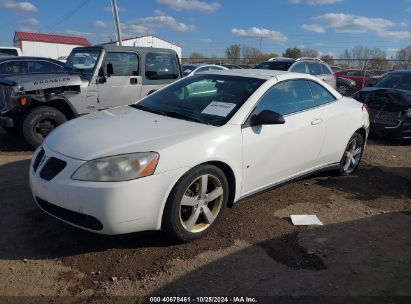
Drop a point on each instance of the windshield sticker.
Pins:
(219, 108)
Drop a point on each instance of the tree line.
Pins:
(356, 57)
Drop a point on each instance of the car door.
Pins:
(328, 76)
(335, 120)
(299, 67)
(274, 153)
(314, 68)
(358, 77)
(122, 81)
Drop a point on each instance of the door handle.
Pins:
(133, 80)
(316, 121)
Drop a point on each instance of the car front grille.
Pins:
(384, 117)
(76, 218)
(5, 94)
(52, 167)
(38, 159)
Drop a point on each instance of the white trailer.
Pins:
(47, 45)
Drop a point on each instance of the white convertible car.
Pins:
(177, 158)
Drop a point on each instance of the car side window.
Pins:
(325, 69)
(299, 68)
(160, 65)
(320, 94)
(202, 69)
(215, 68)
(356, 73)
(287, 97)
(314, 68)
(124, 63)
(42, 67)
(13, 67)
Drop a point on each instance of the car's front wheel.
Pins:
(39, 123)
(196, 203)
(352, 155)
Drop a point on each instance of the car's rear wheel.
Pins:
(352, 155)
(196, 203)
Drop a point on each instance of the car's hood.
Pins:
(391, 96)
(120, 130)
(31, 82)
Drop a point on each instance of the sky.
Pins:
(209, 26)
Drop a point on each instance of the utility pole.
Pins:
(117, 21)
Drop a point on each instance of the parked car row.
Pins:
(390, 109)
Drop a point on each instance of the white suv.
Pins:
(306, 65)
(10, 51)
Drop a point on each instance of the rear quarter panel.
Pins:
(342, 117)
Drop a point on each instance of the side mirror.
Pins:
(101, 77)
(267, 117)
(110, 70)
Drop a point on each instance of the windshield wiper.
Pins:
(183, 116)
(172, 114)
(143, 108)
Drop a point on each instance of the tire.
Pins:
(190, 213)
(343, 89)
(352, 155)
(39, 123)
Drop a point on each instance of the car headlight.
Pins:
(408, 113)
(118, 168)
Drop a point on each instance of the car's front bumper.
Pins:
(400, 130)
(10, 118)
(102, 207)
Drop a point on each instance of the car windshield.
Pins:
(275, 65)
(395, 81)
(209, 99)
(83, 60)
(187, 69)
(8, 52)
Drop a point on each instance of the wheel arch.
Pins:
(223, 166)
(60, 103)
(229, 173)
(363, 132)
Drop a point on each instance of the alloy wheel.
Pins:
(201, 203)
(352, 155)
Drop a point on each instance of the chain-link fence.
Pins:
(375, 64)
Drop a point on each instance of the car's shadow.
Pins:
(364, 257)
(10, 143)
(27, 232)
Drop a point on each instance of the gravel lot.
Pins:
(364, 247)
